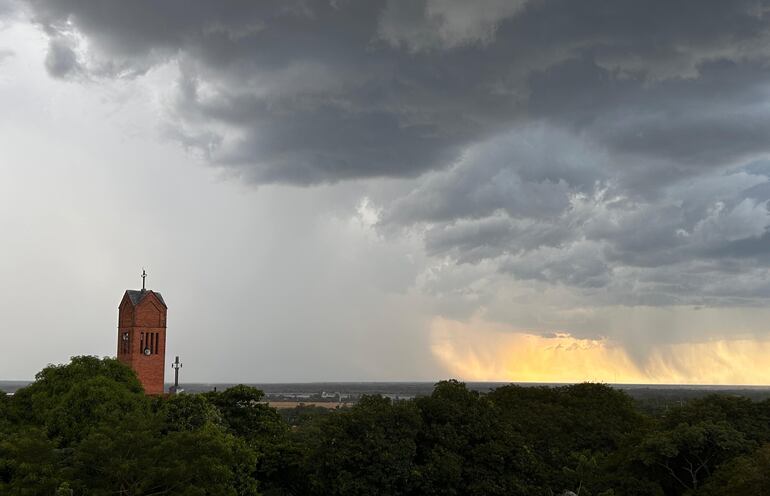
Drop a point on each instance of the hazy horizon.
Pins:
(532, 191)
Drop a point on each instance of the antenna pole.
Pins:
(144, 277)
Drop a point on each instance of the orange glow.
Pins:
(484, 351)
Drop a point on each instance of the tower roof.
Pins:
(136, 296)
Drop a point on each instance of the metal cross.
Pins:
(176, 366)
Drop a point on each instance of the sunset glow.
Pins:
(484, 351)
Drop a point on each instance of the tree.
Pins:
(28, 463)
(245, 413)
(89, 404)
(120, 458)
(366, 450)
(688, 453)
(583, 468)
(186, 412)
(207, 462)
(135, 459)
(70, 399)
(750, 418)
(464, 446)
(4, 411)
(747, 474)
(559, 423)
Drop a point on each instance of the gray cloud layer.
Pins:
(616, 147)
(312, 92)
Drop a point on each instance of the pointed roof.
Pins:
(136, 296)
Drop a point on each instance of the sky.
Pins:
(507, 190)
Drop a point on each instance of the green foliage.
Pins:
(559, 424)
(28, 463)
(71, 399)
(135, 459)
(595, 417)
(465, 447)
(245, 414)
(689, 452)
(303, 414)
(747, 474)
(56, 380)
(87, 429)
(4, 411)
(91, 403)
(185, 412)
(582, 470)
(117, 458)
(743, 415)
(64, 489)
(366, 450)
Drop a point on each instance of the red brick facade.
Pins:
(142, 337)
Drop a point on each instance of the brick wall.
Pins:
(145, 319)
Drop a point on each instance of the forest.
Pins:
(87, 428)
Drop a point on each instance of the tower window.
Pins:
(125, 343)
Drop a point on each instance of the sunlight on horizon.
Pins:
(484, 351)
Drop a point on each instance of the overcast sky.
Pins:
(525, 190)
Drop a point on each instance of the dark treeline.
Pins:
(86, 428)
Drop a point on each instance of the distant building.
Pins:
(142, 336)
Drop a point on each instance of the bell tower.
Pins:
(142, 336)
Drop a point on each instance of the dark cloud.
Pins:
(309, 92)
(588, 230)
(617, 147)
(61, 60)
(6, 7)
(706, 120)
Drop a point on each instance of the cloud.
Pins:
(541, 205)
(62, 61)
(548, 142)
(437, 24)
(6, 7)
(310, 93)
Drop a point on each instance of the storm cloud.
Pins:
(308, 92)
(617, 148)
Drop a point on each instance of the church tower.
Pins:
(142, 336)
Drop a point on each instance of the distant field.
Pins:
(650, 398)
(292, 404)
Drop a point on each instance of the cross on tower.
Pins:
(176, 366)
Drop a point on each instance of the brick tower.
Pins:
(142, 336)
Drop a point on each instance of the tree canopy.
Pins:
(86, 428)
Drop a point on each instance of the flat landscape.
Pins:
(649, 397)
